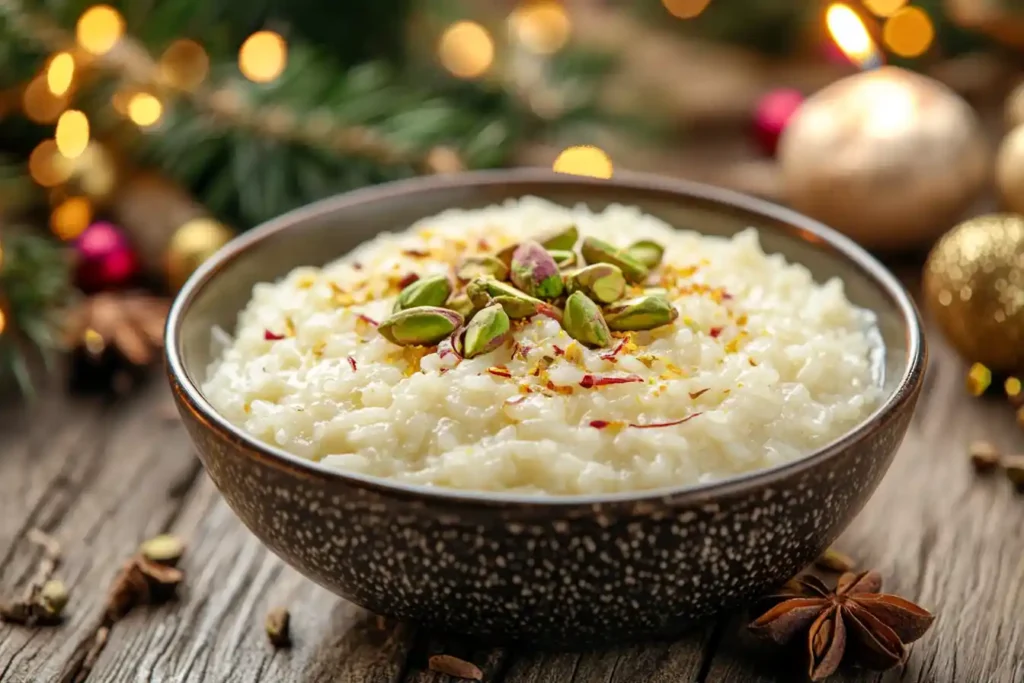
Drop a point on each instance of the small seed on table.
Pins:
(453, 666)
(277, 623)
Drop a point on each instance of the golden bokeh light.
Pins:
(60, 72)
(542, 27)
(184, 64)
(144, 109)
(466, 49)
(72, 133)
(850, 33)
(3, 322)
(45, 165)
(909, 32)
(99, 28)
(41, 105)
(71, 217)
(585, 160)
(884, 8)
(263, 56)
(685, 9)
(93, 172)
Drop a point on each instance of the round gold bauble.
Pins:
(889, 157)
(193, 243)
(974, 287)
(1010, 170)
(1013, 110)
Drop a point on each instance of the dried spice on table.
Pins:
(44, 598)
(853, 622)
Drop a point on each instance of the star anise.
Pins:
(870, 628)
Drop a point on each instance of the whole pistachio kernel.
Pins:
(486, 331)
(599, 251)
(473, 267)
(564, 240)
(535, 272)
(647, 252)
(461, 304)
(421, 326)
(428, 291)
(53, 596)
(516, 304)
(505, 254)
(640, 313)
(583, 321)
(602, 282)
(563, 258)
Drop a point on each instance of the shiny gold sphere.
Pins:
(1014, 109)
(974, 287)
(889, 157)
(193, 243)
(1010, 170)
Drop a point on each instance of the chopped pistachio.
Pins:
(163, 549)
(517, 304)
(53, 596)
(428, 291)
(563, 258)
(277, 625)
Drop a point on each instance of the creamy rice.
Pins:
(766, 364)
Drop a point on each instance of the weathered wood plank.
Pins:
(102, 478)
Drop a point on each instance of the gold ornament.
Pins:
(1014, 110)
(889, 157)
(1010, 170)
(974, 287)
(191, 244)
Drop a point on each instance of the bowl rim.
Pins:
(191, 398)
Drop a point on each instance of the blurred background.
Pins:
(139, 136)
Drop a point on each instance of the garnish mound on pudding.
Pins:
(540, 349)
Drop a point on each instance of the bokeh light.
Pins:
(72, 133)
(60, 72)
(849, 32)
(45, 167)
(41, 105)
(884, 8)
(466, 49)
(184, 64)
(99, 28)
(3, 322)
(263, 56)
(71, 217)
(685, 9)
(144, 109)
(541, 27)
(94, 172)
(909, 32)
(585, 160)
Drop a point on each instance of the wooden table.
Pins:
(101, 478)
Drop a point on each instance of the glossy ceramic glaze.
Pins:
(572, 571)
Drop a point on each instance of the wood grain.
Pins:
(101, 478)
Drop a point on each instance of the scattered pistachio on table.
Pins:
(163, 549)
(278, 627)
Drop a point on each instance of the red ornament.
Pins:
(772, 115)
(106, 259)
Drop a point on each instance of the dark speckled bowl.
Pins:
(564, 572)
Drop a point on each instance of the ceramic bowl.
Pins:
(570, 571)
